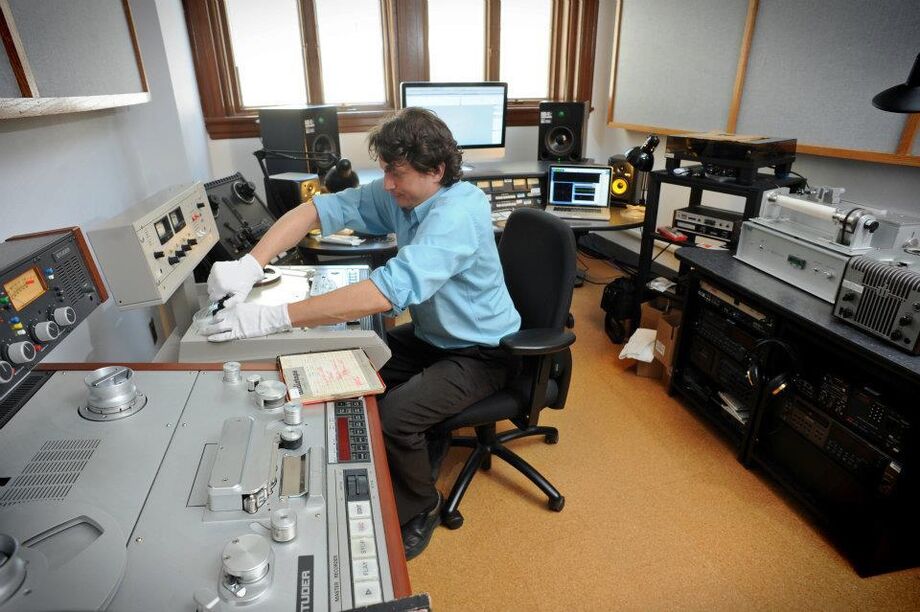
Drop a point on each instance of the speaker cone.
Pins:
(323, 152)
(559, 141)
(619, 187)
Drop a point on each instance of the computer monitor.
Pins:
(474, 112)
(583, 186)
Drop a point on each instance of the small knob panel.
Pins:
(21, 352)
(46, 331)
(6, 372)
(64, 316)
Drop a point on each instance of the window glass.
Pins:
(267, 50)
(351, 51)
(525, 38)
(456, 40)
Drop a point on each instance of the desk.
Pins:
(620, 219)
(843, 438)
(377, 251)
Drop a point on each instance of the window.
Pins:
(526, 28)
(456, 41)
(351, 57)
(265, 39)
(254, 53)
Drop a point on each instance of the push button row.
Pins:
(365, 571)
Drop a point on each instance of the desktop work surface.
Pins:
(511, 185)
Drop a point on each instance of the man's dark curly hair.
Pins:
(419, 137)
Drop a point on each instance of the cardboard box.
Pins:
(666, 338)
(650, 369)
(667, 376)
(650, 316)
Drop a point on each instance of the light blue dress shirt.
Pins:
(446, 272)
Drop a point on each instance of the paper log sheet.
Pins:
(330, 374)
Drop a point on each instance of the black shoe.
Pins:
(417, 532)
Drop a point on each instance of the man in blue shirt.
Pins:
(446, 272)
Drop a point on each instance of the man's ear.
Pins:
(438, 172)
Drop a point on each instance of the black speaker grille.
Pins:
(21, 394)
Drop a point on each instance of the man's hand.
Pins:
(235, 278)
(246, 321)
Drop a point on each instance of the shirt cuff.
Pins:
(384, 283)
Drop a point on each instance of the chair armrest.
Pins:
(537, 341)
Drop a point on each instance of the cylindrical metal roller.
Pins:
(284, 525)
(246, 557)
(232, 372)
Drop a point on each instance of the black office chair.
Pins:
(537, 252)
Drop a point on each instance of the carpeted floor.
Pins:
(659, 514)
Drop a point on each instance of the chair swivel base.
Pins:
(486, 444)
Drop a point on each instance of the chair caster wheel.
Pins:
(452, 520)
(551, 438)
(557, 505)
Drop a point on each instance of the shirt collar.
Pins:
(418, 214)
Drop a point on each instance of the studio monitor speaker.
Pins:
(622, 180)
(304, 139)
(563, 131)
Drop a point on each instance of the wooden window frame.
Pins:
(405, 39)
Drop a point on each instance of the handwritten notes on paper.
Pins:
(315, 377)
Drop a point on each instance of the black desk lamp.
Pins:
(903, 98)
(340, 176)
(642, 159)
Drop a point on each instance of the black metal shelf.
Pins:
(752, 194)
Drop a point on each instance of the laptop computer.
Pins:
(578, 192)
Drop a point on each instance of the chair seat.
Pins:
(499, 406)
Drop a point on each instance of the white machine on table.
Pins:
(283, 285)
(149, 252)
(168, 488)
(807, 240)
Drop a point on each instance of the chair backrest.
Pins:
(538, 255)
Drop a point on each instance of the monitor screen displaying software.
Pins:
(579, 186)
(474, 112)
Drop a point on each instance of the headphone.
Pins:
(777, 383)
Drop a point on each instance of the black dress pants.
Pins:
(425, 386)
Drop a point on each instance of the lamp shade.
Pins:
(341, 176)
(642, 158)
(904, 98)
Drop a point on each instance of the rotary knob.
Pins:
(291, 438)
(245, 191)
(247, 558)
(846, 313)
(64, 316)
(46, 331)
(905, 319)
(21, 352)
(6, 372)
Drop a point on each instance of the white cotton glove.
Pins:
(234, 278)
(246, 321)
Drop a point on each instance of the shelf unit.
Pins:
(752, 194)
(842, 438)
